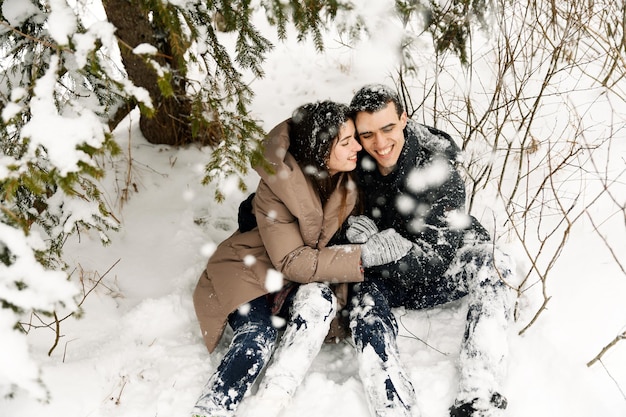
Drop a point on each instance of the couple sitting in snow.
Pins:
(354, 234)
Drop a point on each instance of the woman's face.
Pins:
(344, 150)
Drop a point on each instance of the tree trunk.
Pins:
(170, 124)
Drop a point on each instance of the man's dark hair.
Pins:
(374, 97)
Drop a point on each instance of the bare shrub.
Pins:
(538, 111)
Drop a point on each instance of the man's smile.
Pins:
(385, 151)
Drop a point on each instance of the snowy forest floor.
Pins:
(137, 350)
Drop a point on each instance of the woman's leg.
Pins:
(253, 341)
(313, 308)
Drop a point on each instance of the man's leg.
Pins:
(314, 307)
(253, 341)
(482, 362)
(374, 330)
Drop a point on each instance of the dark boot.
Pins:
(473, 408)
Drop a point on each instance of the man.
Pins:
(410, 184)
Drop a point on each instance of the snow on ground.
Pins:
(137, 350)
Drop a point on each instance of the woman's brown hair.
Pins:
(313, 130)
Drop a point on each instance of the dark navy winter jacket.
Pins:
(423, 199)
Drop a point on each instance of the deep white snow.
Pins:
(137, 351)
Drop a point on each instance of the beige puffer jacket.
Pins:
(291, 237)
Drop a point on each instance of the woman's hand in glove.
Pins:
(361, 229)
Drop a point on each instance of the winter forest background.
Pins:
(127, 133)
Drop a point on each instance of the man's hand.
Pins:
(383, 248)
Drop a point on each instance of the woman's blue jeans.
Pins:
(254, 339)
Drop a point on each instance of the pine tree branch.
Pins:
(34, 39)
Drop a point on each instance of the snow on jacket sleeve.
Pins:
(445, 225)
(437, 240)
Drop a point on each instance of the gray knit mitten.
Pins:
(361, 228)
(384, 247)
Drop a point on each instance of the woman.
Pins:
(304, 196)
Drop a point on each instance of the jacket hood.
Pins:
(293, 187)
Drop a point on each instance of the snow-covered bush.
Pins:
(52, 133)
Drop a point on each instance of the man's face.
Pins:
(382, 136)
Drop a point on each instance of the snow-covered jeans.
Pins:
(309, 312)
(480, 272)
